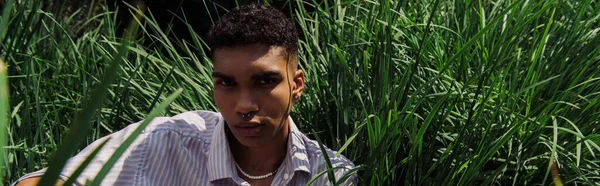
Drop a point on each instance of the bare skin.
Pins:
(34, 181)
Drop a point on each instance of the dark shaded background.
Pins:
(168, 13)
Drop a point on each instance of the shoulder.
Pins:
(341, 165)
(196, 124)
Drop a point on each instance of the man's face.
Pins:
(259, 82)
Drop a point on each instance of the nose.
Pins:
(246, 103)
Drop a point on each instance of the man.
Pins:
(252, 141)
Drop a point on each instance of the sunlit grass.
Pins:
(415, 92)
(456, 92)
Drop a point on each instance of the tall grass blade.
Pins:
(127, 142)
(81, 124)
(330, 174)
(85, 163)
(6, 12)
(4, 116)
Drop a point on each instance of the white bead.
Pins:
(255, 177)
(286, 176)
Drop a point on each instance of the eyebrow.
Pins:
(256, 77)
(222, 76)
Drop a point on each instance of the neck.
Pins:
(260, 160)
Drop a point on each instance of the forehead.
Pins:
(248, 59)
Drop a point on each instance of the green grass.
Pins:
(415, 92)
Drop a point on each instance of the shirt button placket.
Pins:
(286, 176)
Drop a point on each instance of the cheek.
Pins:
(221, 99)
(277, 98)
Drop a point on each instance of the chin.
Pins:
(251, 142)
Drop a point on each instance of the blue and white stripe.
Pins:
(191, 149)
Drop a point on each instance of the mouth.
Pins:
(249, 129)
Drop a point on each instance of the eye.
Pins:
(226, 83)
(267, 81)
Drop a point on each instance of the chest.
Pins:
(185, 162)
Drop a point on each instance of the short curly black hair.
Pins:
(254, 24)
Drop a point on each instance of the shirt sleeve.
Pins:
(341, 165)
(90, 172)
(345, 167)
(352, 180)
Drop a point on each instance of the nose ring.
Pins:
(246, 116)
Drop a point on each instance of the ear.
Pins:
(299, 85)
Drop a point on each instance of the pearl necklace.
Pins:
(255, 177)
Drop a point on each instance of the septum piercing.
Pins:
(245, 115)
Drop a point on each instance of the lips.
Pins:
(249, 129)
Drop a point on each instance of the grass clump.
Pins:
(415, 92)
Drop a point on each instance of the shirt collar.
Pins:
(296, 150)
(220, 164)
(219, 155)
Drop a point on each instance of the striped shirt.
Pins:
(192, 149)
